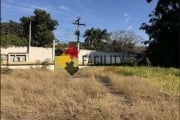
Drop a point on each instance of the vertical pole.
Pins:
(78, 31)
(53, 51)
(29, 42)
(78, 36)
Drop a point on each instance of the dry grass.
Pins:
(91, 94)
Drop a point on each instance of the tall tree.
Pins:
(96, 38)
(42, 28)
(164, 33)
(124, 41)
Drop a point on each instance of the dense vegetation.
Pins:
(42, 25)
(42, 28)
(96, 38)
(117, 41)
(164, 33)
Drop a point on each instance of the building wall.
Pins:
(49, 67)
(35, 54)
(41, 54)
(34, 58)
(13, 50)
(91, 57)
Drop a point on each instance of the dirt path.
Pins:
(116, 99)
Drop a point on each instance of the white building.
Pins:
(28, 57)
(92, 57)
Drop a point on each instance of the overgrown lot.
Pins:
(93, 93)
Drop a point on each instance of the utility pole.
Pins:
(29, 33)
(29, 40)
(77, 22)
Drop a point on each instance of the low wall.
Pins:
(26, 65)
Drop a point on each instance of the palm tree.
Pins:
(96, 38)
(89, 37)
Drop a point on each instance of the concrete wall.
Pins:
(49, 67)
(91, 57)
(41, 54)
(34, 57)
(13, 50)
(35, 53)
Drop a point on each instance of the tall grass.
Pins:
(96, 93)
(169, 78)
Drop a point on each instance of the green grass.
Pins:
(168, 77)
(154, 72)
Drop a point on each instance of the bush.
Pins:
(132, 61)
(8, 40)
(45, 64)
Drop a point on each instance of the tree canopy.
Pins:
(124, 41)
(96, 38)
(12, 34)
(11, 27)
(10, 40)
(42, 28)
(164, 33)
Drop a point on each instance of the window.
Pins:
(12, 58)
(21, 58)
(18, 58)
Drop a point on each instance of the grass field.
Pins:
(93, 93)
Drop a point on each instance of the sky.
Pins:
(113, 15)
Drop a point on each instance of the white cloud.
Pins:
(125, 14)
(127, 17)
(32, 7)
(127, 20)
(64, 7)
(20, 7)
(67, 11)
(129, 27)
(10, 1)
(6, 6)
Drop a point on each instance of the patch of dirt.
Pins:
(117, 97)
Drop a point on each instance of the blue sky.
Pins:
(112, 15)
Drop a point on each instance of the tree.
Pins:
(11, 27)
(10, 40)
(96, 38)
(164, 33)
(42, 28)
(124, 41)
(12, 34)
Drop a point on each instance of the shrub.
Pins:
(132, 61)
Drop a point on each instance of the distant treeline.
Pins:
(17, 33)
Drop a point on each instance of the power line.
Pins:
(78, 24)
